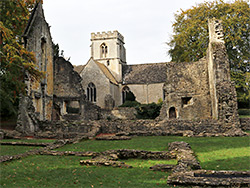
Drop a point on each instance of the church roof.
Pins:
(78, 68)
(107, 73)
(145, 73)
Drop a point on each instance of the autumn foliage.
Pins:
(16, 61)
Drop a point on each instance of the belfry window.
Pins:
(91, 92)
(104, 50)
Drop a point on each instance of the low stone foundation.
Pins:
(72, 129)
(245, 124)
(209, 178)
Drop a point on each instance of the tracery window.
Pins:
(91, 92)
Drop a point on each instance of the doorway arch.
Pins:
(172, 113)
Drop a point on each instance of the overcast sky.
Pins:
(145, 24)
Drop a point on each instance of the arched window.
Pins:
(104, 50)
(125, 92)
(91, 92)
(172, 113)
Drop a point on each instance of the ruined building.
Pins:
(59, 91)
(194, 91)
(202, 89)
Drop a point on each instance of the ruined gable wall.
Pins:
(222, 89)
(39, 41)
(67, 82)
(187, 91)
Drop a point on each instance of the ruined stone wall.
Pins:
(222, 90)
(245, 124)
(38, 103)
(67, 82)
(38, 40)
(69, 93)
(187, 91)
(119, 113)
(200, 128)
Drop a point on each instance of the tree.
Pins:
(16, 61)
(190, 39)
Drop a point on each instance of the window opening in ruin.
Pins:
(186, 101)
(104, 50)
(91, 92)
(43, 49)
(172, 113)
(73, 107)
(108, 63)
(163, 96)
(125, 92)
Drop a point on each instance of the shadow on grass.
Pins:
(53, 171)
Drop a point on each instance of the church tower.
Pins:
(108, 48)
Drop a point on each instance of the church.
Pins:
(108, 77)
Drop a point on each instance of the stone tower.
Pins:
(108, 49)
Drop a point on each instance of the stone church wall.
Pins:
(93, 74)
(147, 93)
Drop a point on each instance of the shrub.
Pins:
(130, 104)
(148, 111)
(244, 111)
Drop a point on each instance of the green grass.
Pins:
(51, 171)
(14, 150)
(209, 150)
(216, 153)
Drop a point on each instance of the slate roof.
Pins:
(144, 73)
(107, 73)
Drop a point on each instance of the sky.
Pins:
(145, 24)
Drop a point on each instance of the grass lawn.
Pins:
(218, 153)
(14, 150)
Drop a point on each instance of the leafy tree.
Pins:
(15, 60)
(190, 39)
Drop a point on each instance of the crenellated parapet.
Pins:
(107, 35)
